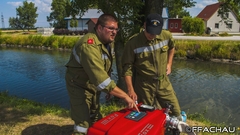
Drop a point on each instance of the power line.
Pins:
(2, 18)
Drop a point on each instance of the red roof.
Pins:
(208, 11)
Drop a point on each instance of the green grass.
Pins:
(23, 116)
(29, 107)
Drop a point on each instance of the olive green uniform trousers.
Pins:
(156, 92)
(82, 101)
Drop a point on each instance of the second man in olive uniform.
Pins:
(148, 59)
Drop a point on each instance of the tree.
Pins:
(229, 6)
(59, 11)
(15, 23)
(73, 23)
(176, 7)
(26, 16)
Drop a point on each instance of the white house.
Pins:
(45, 31)
(210, 16)
(82, 21)
(165, 18)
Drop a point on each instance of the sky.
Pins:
(8, 9)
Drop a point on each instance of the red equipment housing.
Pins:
(130, 122)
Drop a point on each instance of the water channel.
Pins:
(200, 86)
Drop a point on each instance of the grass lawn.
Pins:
(25, 117)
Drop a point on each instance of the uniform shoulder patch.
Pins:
(90, 41)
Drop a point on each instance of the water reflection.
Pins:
(34, 74)
(209, 86)
(39, 75)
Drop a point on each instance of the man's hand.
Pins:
(121, 94)
(131, 103)
(132, 94)
(169, 69)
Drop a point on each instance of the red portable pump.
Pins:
(149, 121)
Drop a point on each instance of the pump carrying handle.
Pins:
(142, 108)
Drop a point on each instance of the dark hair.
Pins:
(104, 18)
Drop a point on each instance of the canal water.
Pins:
(209, 87)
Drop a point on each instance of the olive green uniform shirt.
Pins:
(147, 62)
(90, 64)
(148, 57)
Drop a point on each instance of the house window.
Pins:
(171, 25)
(217, 25)
(176, 25)
(229, 26)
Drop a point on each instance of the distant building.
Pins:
(45, 31)
(165, 18)
(175, 25)
(211, 19)
(91, 23)
(82, 21)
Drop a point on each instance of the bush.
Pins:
(207, 50)
(35, 40)
(180, 53)
(49, 41)
(204, 52)
(193, 25)
(221, 51)
(8, 40)
(55, 44)
(67, 42)
(235, 52)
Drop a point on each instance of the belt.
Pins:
(156, 78)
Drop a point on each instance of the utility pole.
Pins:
(2, 18)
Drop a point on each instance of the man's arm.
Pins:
(131, 92)
(128, 60)
(121, 94)
(170, 60)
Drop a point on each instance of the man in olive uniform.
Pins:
(88, 71)
(148, 59)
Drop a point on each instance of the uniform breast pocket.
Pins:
(144, 56)
(144, 59)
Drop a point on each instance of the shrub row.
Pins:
(39, 40)
(207, 50)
